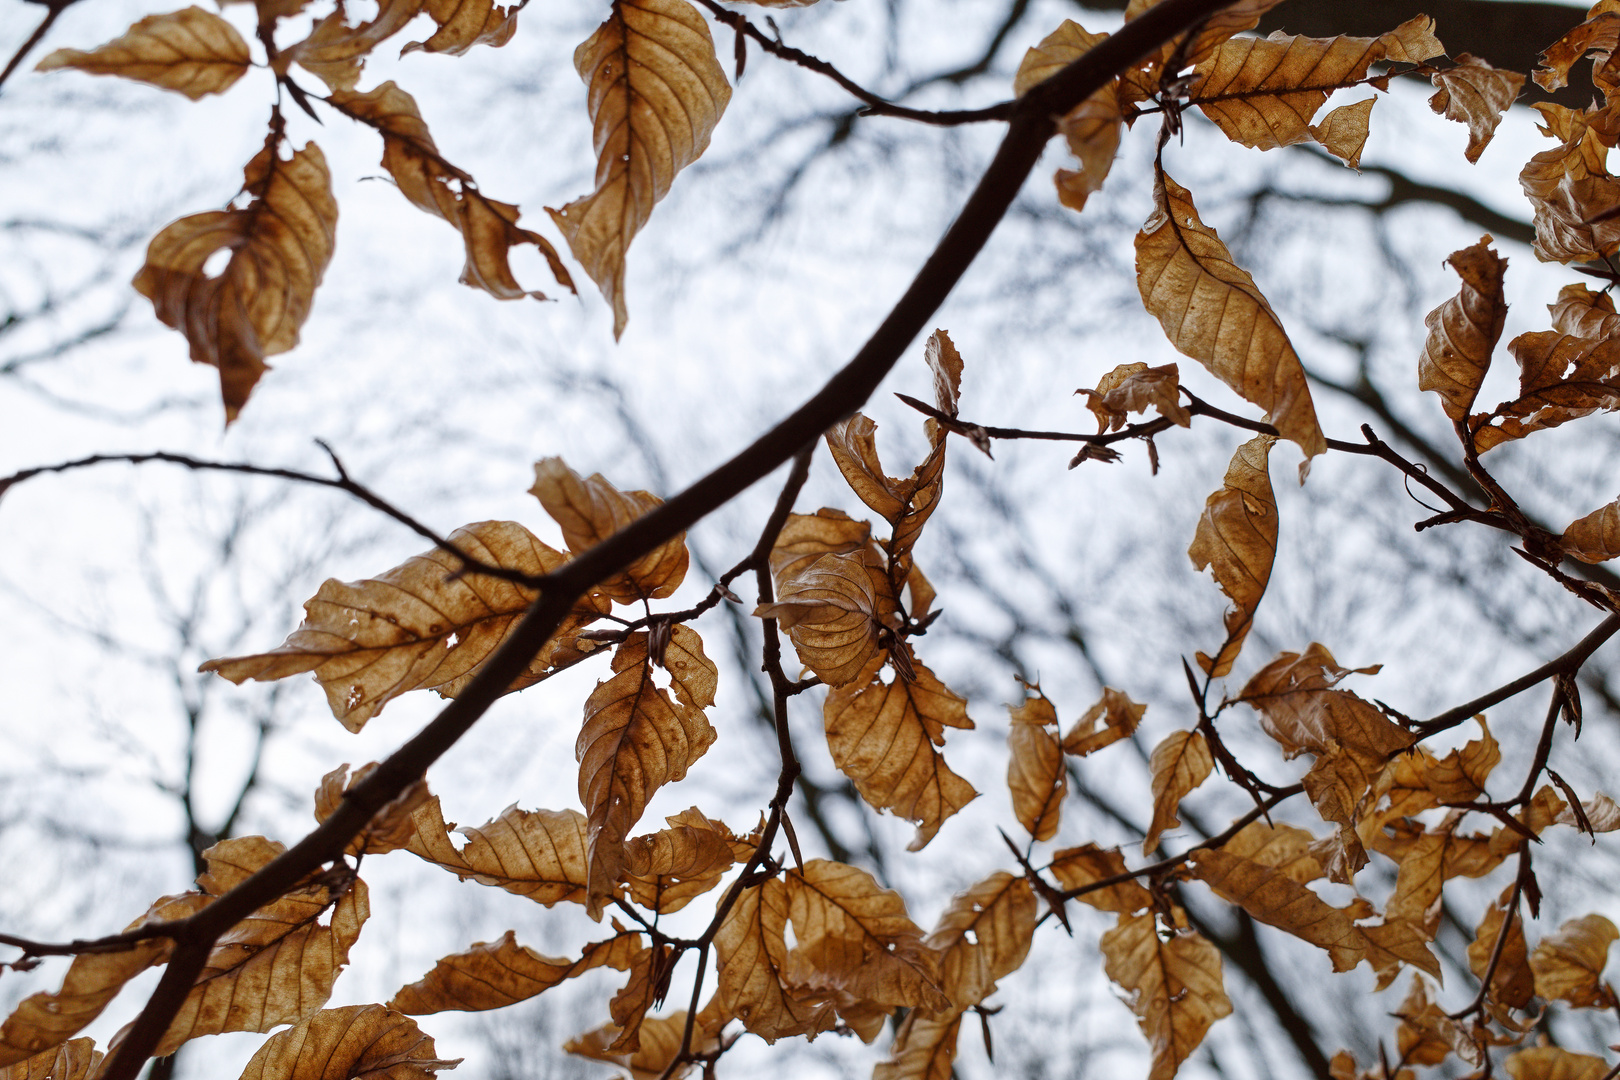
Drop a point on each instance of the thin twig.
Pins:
(51, 16)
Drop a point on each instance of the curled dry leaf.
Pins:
(1118, 715)
(1180, 763)
(1343, 132)
(1237, 539)
(535, 853)
(1572, 190)
(280, 244)
(751, 955)
(829, 611)
(807, 537)
(1565, 373)
(1143, 81)
(1594, 538)
(1081, 866)
(1426, 1035)
(591, 510)
(1512, 983)
(1598, 35)
(1568, 965)
(924, 1048)
(854, 935)
(336, 52)
(1464, 330)
(1475, 94)
(905, 503)
(350, 1043)
(883, 737)
(48, 1019)
(390, 828)
(1554, 1063)
(1174, 985)
(1092, 129)
(649, 978)
(76, 1059)
(656, 93)
(1035, 773)
(192, 51)
(1278, 847)
(635, 740)
(984, 935)
(1136, 388)
(1212, 311)
(420, 626)
(493, 976)
(945, 363)
(465, 23)
(1276, 899)
(1600, 811)
(660, 1041)
(489, 229)
(666, 869)
(1062, 47)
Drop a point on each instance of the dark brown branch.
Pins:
(44, 26)
(342, 482)
(875, 105)
(1030, 127)
(1567, 664)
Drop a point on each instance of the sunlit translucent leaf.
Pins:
(1475, 94)
(660, 1042)
(1079, 866)
(46, 1020)
(656, 93)
(1572, 191)
(1180, 763)
(883, 737)
(535, 853)
(420, 626)
(1554, 1063)
(1237, 540)
(1174, 986)
(983, 936)
(75, 1059)
(389, 829)
(280, 244)
(1513, 983)
(1035, 772)
(191, 51)
(1568, 965)
(350, 1043)
(1594, 538)
(335, 52)
(1062, 47)
(277, 965)
(1343, 132)
(591, 510)
(1118, 716)
(492, 976)
(751, 953)
(924, 1048)
(854, 935)
(829, 611)
(1276, 899)
(1599, 34)
(1212, 311)
(635, 740)
(465, 23)
(1464, 330)
(489, 229)
(666, 869)
(1136, 388)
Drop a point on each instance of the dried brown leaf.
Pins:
(591, 510)
(660, 1041)
(1282, 848)
(924, 1048)
(1599, 34)
(1276, 899)
(76, 1059)
(854, 935)
(635, 740)
(751, 954)
(535, 853)
(829, 610)
(1062, 47)
(336, 52)
(666, 869)
(1299, 707)
(1212, 311)
(1572, 191)
(1594, 538)
(1035, 771)
(280, 244)
(807, 537)
(1237, 539)
(984, 935)
(493, 976)
(1080, 866)
(192, 51)
(1554, 1063)
(1343, 131)
(883, 737)
(1568, 965)
(390, 828)
(656, 93)
(1512, 983)
(1174, 986)
(1092, 129)
(945, 363)
(1136, 388)
(649, 975)
(1117, 713)
(465, 23)
(1475, 94)
(1180, 763)
(420, 626)
(349, 1043)
(1426, 1035)
(1464, 330)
